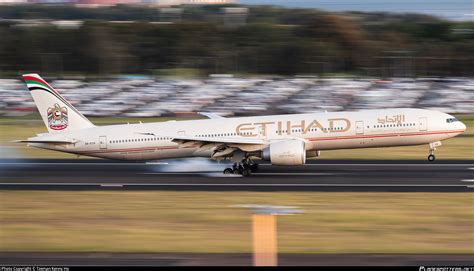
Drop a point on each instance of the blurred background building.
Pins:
(13, 1)
(117, 2)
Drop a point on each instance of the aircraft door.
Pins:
(262, 132)
(359, 127)
(103, 142)
(423, 122)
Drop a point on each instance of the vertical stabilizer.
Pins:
(57, 113)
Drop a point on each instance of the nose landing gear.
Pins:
(433, 145)
(431, 157)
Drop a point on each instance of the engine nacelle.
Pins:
(285, 153)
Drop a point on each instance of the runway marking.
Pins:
(222, 175)
(260, 174)
(297, 173)
(178, 173)
(404, 165)
(471, 168)
(467, 180)
(167, 163)
(111, 185)
(75, 164)
(236, 184)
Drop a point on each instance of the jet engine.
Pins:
(285, 153)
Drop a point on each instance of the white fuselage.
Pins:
(320, 131)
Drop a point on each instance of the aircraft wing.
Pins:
(223, 147)
(227, 140)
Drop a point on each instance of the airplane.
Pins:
(280, 139)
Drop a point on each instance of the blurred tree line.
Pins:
(264, 40)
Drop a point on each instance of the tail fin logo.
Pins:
(57, 117)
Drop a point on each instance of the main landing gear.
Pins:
(244, 168)
(433, 145)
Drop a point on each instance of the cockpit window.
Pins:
(451, 120)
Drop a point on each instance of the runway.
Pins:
(227, 259)
(201, 175)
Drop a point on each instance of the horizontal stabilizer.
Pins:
(211, 115)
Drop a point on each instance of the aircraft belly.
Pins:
(172, 153)
(161, 154)
(339, 144)
(376, 141)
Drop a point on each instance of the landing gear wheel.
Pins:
(228, 171)
(433, 146)
(254, 167)
(245, 172)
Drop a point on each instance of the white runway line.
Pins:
(178, 173)
(391, 165)
(165, 163)
(296, 174)
(111, 185)
(237, 184)
(211, 174)
(223, 175)
(75, 164)
(467, 180)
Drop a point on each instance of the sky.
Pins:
(453, 10)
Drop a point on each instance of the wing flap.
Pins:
(227, 140)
